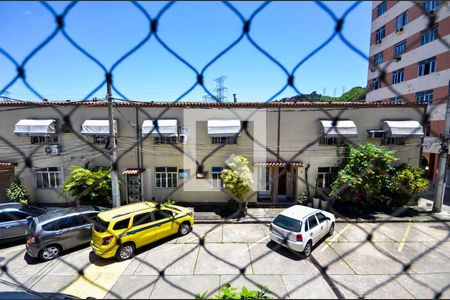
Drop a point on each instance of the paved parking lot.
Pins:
(383, 260)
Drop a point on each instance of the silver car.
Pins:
(50, 234)
(13, 220)
(300, 227)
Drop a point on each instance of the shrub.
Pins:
(229, 292)
(93, 187)
(303, 198)
(17, 191)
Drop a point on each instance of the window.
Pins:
(378, 58)
(430, 6)
(376, 83)
(397, 76)
(401, 21)
(400, 48)
(63, 223)
(9, 216)
(48, 178)
(162, 214)
(393, 140)
(331, 140)
(165, 139)
(216, 180)
(87, 218)
(100, 139)
(100, 225)
(321, 217)
(381, 8)
(312, 221)
(325, 176)
(396, 100)
(424, 97)
(264, 183)
(426, 67)
(429, 35)
(142, 219)
(44, 139)
(224, 140)
(166, 177)
(122, 224)
(288, 223)
(379, 34)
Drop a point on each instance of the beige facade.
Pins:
(289, 131)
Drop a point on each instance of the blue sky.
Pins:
(197, 31)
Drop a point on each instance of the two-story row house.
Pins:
(177, 150)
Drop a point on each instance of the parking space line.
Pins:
(335, 237)
(97, 280)
(405, 236)
(257, 242)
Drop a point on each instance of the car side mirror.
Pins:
(29, 219)
(328, 219)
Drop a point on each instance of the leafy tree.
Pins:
(369, 169)
(237, 178)
(369, 172)
(93, 187)
(407, 182)
(17, 191)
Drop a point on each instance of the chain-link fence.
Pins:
(28, 161)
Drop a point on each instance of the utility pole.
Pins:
(113, 147)
(439, 191)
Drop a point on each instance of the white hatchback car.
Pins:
(300, 227)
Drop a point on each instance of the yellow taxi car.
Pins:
(120, 231)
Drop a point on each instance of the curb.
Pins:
(428, 220)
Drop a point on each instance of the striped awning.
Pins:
(345, 128)
(133, 171)
(97, 127)
(166, 127)
(221, 128)
(408, 128)
(278, 164)
(32, 127)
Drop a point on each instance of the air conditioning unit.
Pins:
(398, 58)
(400, 29)
(53, 149)
(378, 42)
(431, 12)
(183, 138)
(372, 68)
(183, 135)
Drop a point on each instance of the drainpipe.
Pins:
(278, 152)
(138, 157)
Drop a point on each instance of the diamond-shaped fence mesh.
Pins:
(29, 160)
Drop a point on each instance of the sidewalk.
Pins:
(420, 213)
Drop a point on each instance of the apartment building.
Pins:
(406, 46)
(182, 159)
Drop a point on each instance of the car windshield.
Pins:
(100, 225)
(288, 223)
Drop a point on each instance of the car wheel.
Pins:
(308, 249)
(331, 231)
(125, 251)
(184, 229)
(50, 252)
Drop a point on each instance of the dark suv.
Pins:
(49, 234)
(13, 220)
